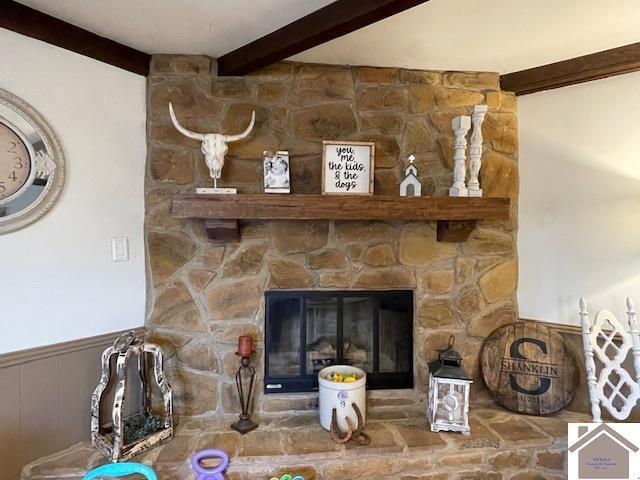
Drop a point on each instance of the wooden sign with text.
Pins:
(528, 368)
(347, 168)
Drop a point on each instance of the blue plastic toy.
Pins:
(209, 473)
(121, 470)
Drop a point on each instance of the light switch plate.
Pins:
(120, 249)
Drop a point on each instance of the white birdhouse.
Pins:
(449, 385)
(411, 180)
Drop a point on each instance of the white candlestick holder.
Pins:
(475, 150)
(461, 126)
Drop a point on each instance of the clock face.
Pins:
(23, 197)
(15, 162)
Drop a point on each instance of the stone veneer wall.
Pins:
(202, 296)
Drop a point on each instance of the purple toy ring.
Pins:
(209, 473)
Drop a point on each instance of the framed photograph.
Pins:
(277, 178)
(347, 167)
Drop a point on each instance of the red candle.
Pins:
(245, 346)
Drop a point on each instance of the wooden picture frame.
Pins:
(337, 157)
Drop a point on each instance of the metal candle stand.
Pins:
(246, 374)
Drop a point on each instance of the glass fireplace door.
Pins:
(283, 337)
(321, 337)
(358, 332)
(306, 331)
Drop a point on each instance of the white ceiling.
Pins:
(211, 27)
(491, 35)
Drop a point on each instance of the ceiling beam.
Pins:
(332, 21)
(32, 23)
(595, 66)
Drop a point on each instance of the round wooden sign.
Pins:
(528, 368)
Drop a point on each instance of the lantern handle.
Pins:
(124, 341)
(452, 340)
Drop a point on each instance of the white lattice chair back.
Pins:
(612, 387)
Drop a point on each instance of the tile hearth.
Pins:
(502, 446)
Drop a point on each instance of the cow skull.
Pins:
(214, 145)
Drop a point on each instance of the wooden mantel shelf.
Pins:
(456, 216)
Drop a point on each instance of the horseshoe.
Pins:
(336, 433)
(362, 439)
(358, 435)
(353, 434)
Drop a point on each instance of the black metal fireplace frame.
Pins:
(309, 383)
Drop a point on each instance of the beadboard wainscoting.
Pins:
(45, 396)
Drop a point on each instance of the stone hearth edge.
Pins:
(502, 446)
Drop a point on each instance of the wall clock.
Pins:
(32, 164)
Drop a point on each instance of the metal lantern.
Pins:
(122, 437)
(449, 388)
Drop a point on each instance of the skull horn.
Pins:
(181, 129)
(240, 136)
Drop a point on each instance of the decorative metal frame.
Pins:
(109, 439)
(48, 159)
(607, 327)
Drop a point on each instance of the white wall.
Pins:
(57, 280)
(579, 204)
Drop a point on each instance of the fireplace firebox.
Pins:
(306, 331)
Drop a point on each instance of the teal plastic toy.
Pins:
(121, 470)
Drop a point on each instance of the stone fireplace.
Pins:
(202, 296)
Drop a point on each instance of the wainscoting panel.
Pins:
(45, 398)
(9, 422)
